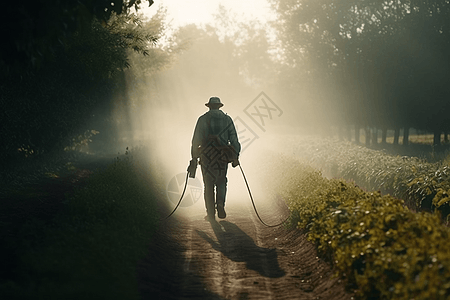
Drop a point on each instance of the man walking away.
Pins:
(215, 143)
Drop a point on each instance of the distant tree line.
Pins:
(370, 63)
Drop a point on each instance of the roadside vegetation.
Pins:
(422, 185)
(383, 249)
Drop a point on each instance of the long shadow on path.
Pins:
(239, 247)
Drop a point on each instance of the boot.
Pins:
(221, 211)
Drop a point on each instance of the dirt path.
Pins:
(235, 258)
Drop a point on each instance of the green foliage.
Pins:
(33, 30)
(81, 142)
(383, 249)
(103, 49)
(91, 249)
(131, 36)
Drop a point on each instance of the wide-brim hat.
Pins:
(215, 101)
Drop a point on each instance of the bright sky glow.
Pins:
(182, 12)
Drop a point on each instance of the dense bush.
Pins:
(382, 248)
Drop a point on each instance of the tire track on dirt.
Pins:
(230, 260)
(239, 258)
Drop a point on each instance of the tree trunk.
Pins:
(349, 133)
(384, 135)
(396, 135)
(357, 140)
(437, 138)
(374, 136)
(367, 136)
(405, 136)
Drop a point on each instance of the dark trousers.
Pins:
(215, 183)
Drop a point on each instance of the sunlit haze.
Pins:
(172, 105)
(182, 12)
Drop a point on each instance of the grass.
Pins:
(91, 247)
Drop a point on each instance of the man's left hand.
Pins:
(235, 163)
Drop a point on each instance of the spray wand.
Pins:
(192, 168)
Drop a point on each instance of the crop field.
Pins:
(422, 185)
(384, 249)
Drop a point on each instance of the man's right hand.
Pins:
(192, 167)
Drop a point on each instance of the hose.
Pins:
(249, 192)
(254, 206)
(181, 198)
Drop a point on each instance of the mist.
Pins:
(313, 83)
(170, 102)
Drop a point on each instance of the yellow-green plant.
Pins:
(382, 248)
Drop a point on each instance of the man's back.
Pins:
(215, 124)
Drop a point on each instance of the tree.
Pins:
(74, 90)
(251, 47)
(32, 30)
(384, 61)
